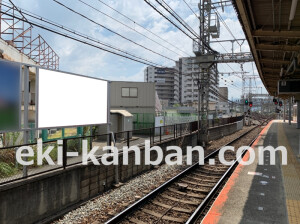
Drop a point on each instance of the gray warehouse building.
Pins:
(138, 98)
(135, 97)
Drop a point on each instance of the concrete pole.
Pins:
(290, 111)
(298, 114)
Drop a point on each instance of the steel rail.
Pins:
(128, 211)
(197, 213)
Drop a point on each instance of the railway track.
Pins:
(261, 119)
(184, 198)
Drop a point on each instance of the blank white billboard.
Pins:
(70, 100)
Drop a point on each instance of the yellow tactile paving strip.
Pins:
(291, 178)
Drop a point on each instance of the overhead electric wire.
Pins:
(224, 23)
(236, 87)
(110, 30)
(198, 18)
(253, 74)
(181, 21)
(216, 38)
(191, 9)
(143, 27)
(223, 97)
(186, 27)
(177, 17)
(167, 18)
(42, 26)
(233, 86)
(16, 8)
(227, 63)
(232, 81)
(92, 7)
(231, 69)
(228, 53)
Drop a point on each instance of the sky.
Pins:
(78, 58)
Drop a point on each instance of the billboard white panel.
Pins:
(70, 100)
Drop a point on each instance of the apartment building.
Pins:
(166, 83)
(179, 84)
(189, 72)
(223, 102)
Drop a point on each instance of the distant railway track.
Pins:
(262, 119)
(184, 198)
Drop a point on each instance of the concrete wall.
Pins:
(12, 54)
(35, 199)
(220, 131)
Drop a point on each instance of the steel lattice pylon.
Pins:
(207, 58)
(208, 70)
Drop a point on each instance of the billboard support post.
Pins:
(26, 103)
(91, 139)
(65, 149)
(36, 101)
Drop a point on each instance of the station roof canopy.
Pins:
(272, 28)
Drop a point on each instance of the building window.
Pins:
(129, 92)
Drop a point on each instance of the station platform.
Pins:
(263, 193)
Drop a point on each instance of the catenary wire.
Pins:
(118, 21)
(110, 30)
(143, 27)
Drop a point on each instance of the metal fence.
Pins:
(143, 120)
(11, 170)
